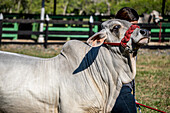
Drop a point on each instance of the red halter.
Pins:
(126, 38)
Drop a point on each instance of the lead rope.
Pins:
(150, 107)
(126, 37)
(160, 32)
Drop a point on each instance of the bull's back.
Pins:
(25, 84)
(12, 64)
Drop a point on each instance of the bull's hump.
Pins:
(74, 44)
(75, 47)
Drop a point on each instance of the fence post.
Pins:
(41, 38)
(100, 20)
(163, 32)
(1, 31)
(46, 32)
(91, 26)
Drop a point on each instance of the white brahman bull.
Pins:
(153, 17)
(83, 78)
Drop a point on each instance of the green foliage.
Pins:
(48, 6)
(80, 6)
(102, 7)
(5, 5)
(146, 6)
(141, 6)
(167, 7)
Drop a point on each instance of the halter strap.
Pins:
(126, 38)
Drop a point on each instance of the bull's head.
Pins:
(120, 33)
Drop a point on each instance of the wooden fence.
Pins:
(58, 29)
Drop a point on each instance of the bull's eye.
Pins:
(115, 28)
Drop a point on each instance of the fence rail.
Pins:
(74, 29)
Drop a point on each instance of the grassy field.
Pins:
(152, 79)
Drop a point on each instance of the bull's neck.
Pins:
(113, 68)
(127, 59)
(122, 69)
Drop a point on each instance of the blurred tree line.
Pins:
(82, 7)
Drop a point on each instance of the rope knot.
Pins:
(127, 36)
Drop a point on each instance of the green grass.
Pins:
(152, 79)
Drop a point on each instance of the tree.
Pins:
(6, 6)
(79, 6)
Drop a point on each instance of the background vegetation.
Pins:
(152, 79)
(81, 7)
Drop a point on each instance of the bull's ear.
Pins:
(97, 39)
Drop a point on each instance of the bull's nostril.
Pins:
(143, 32)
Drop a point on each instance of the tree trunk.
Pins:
(81, 11)
(19, 4)
(108, 7)
(65, 7)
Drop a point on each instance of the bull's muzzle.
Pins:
(146, 37)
